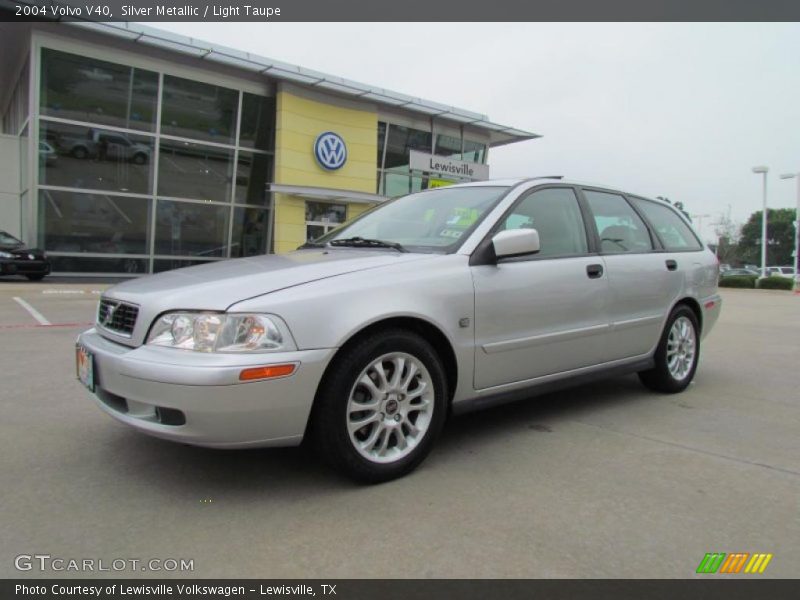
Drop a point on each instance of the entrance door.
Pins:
(321, 217)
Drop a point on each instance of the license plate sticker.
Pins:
(84, 362)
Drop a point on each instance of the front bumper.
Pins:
(13, 266)
(197, 398)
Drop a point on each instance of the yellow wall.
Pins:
(299, 121)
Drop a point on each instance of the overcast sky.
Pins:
(676, 110)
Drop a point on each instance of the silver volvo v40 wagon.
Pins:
(365, 339)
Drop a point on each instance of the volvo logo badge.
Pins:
(109, 316)
(330, 151)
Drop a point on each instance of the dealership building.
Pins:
(127, 149)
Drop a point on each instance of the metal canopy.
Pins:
(320, 193)
(499, 134)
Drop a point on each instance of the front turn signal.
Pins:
(267, 372)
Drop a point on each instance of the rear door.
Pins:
(643, 281)
(545, 313)
(697, 266)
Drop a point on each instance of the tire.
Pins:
(35, 277)
(139, 159)
(386, 446)
(80, 152)
(674, 371)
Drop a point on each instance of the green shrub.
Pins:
(739, 281)
(775, 283)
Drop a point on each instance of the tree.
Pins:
(780, 237)
(728, 233)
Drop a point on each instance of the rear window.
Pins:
(671, 228)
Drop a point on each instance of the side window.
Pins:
(621, 230)
(555, 214)
(672, 230)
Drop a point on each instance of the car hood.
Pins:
(218, 285)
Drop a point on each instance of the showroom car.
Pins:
(17, 259)
(364, 340)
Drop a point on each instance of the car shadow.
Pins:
(297, 471)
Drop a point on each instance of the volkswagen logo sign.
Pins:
(330, 151)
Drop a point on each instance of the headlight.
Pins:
(218, 332)
(6, 254)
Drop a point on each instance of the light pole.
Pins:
(763, 170)
(796, 231)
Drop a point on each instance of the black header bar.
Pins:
(261, 11)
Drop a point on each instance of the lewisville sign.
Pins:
(421, 161)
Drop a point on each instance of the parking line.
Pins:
(33, 312)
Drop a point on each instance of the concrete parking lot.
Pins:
(605, 480)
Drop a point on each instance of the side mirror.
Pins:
(515, 242)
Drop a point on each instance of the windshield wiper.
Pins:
(359, 242)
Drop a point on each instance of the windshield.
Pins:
(430, 221)
(8, 240)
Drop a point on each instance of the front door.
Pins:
(546, 313)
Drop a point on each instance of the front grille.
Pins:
(117, 317)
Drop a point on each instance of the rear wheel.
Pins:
(677, 353)
(37, 277)
(381, 407)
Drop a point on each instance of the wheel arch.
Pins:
(694, 306)
(425, 329)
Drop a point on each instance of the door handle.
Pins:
(594, 271)
(672, 265)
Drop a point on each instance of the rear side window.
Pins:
(673, 231)
(621, 230)
(555, 214)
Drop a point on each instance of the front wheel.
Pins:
(381, 407)
(677, 353)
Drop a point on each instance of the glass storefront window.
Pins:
(101, 167)
(447, 145)
(94, 264)
(257, 126)
(474, 151)
(381, 142)
(194, 171)
(168, 264)
(23, 159)
(97, 223)
(326, 212)
(396, 184)
(401, 140)
(86, 157)
(196, 110)
(191, 229)
(86, 89)
(253, 172)
(250, 227)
